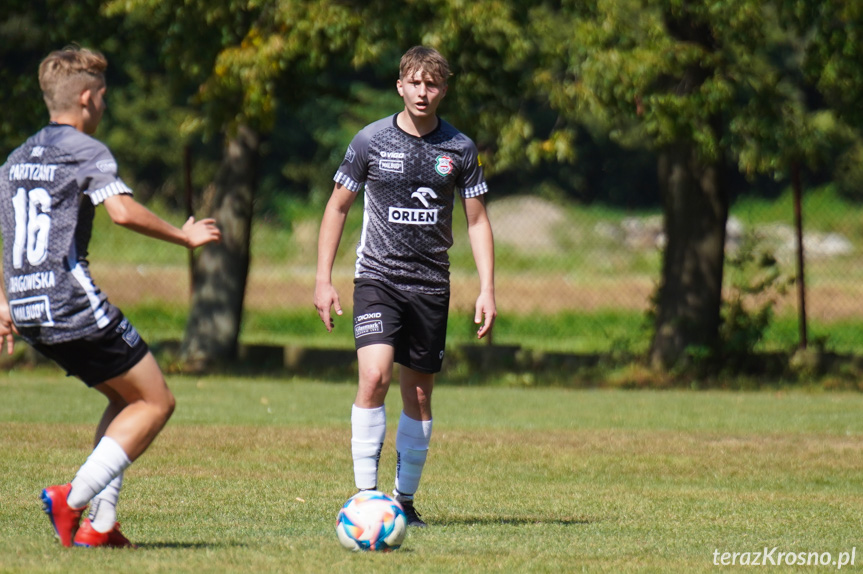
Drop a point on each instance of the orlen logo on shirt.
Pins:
(408, 216)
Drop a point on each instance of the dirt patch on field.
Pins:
(527, 223)
(127, 285)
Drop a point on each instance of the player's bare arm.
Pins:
(7, 328)
(125, 211)
(332, 227)
(482, 245)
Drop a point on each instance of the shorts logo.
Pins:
(130, 334)
(32, 312)
(443, 165)
(392, 165)
(368, 328)
(350, 155)
(107, 166)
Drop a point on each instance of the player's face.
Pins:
(421, 93)
(95, 108)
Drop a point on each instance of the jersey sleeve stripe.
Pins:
(474, 191)
(346, 181)
(115, 188)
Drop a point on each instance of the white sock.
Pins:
(103, 508)
(368, 429)
(412, 446)
(106, 461)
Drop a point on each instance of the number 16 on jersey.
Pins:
(32, 226)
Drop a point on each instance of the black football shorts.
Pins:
(414, 324)
(94, 359)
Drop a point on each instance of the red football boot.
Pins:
(91, 538)
(63, 518)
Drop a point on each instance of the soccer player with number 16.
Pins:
(50, 188)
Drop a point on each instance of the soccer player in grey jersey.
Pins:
(412, 165)
(49, 190)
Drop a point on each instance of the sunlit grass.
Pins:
(249, 474)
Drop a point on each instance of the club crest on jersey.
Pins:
(443, 165)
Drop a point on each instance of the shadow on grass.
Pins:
(511, 521)
(188, 545)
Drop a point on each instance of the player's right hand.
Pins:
(326, 297)
(7, 329)
(201, 232)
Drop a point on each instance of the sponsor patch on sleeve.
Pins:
(107, 166)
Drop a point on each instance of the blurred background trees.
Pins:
(682, 105)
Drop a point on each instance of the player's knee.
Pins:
(417, 399)
(423, 397)
(165, 405)
(373, 376)
(170, 405)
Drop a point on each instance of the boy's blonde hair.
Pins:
(429, 60)
(64, 74)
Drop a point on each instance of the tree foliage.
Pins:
(831, 32)
(622, 61)
(548, 88)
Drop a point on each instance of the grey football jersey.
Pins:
(410, 185)
(49, 188)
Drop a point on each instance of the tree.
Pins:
(202, 44)
(833, 34)
(220, 272)
(29, 31)
(249, 59)
(706, 84)
(140, 125)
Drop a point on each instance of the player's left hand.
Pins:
(486, 311)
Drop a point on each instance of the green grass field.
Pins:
(250, 473)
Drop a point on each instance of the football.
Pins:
(371, 520)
